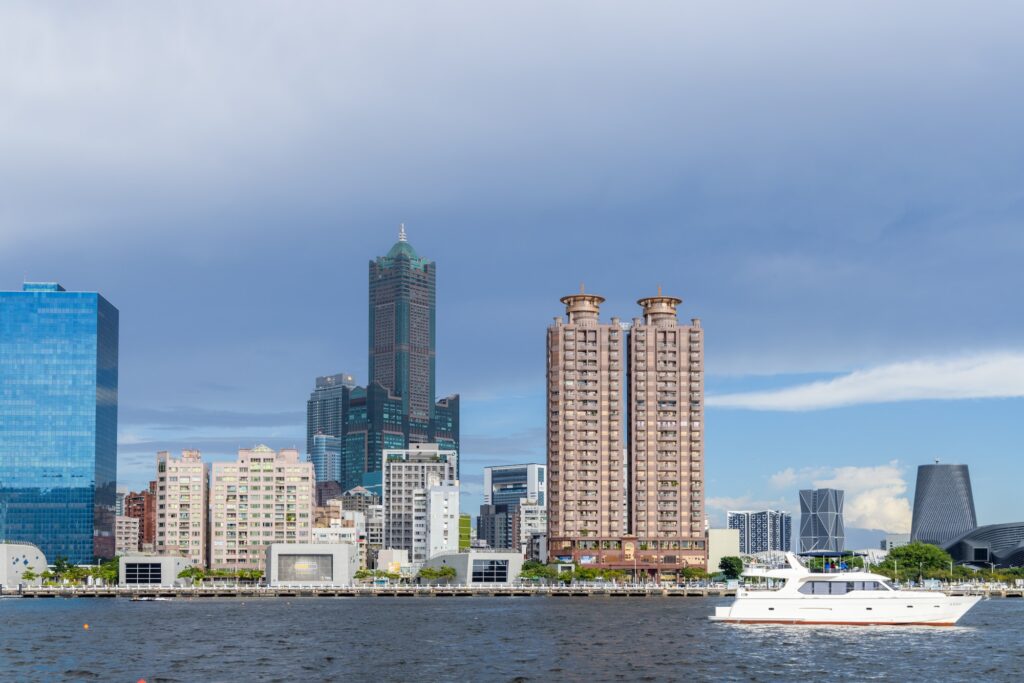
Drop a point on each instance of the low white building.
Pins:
(152, 570)
(15, 559)
(311, 564)
(395, 561)
(481, 567)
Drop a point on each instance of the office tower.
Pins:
(762, 531)
(403, 294)
(666, 402)
(587, 497)
(943, 504)
(510, 486)
(821, 521)
(263, 497)
(374, 423)
(326, 407)
(397, 406)
(407, 478)
(326, 459)
(119, 503)
(142, 506)
(182, 499)
(58, 421)
(328, 490)
(494, 526)
(126, 535)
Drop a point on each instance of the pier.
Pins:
(403, 591)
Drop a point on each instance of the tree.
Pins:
(694, 573)
(731, 566)
(29, 574)
(916, 558)
(108, 571)
(61, 566)
(537, 571)
(196, 574)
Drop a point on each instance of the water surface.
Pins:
(481, 639)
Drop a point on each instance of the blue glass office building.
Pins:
(58, 421)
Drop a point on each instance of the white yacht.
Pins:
(851, 598)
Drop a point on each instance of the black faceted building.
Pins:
(943, 504)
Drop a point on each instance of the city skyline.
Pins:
(844, 227)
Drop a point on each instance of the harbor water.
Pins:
(481, 639)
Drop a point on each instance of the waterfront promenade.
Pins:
(244, 591)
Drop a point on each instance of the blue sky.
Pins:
(836, 190)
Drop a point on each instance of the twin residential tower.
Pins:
(625, 438)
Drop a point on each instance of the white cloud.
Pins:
(992, 375)
(875, 495)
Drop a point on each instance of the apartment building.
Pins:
(182, 506)
(263, 497)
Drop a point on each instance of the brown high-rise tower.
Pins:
(645, 514)
(586, 487)
(666, 400)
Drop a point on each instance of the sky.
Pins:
(835, 189)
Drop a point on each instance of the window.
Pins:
(142, 572)
(490, 571)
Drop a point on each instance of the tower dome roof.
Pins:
(402, 246)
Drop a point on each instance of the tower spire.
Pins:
(401, 233)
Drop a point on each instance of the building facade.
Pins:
(263, 497)
(442, 519)
(182, 506)
(666, 404)
(822, 530)
(326, 459)
(890, 541)
(327, 406)
(587, 492)
(127, 535)
(408, 476)
(494, 526)
(142, 506)
(58, 421)
(607, 382)
(723, 543)
(943, 504)
(397, 407)
(762, 531)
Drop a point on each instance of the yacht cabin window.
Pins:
(839, 587)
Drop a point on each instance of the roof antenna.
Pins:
(581, 288)
(659, 290)
(401, 233)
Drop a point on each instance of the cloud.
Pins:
(991, 375)
(875, 495)
(184, 417)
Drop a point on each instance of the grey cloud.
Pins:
(187, 418)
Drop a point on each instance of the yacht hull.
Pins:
(901, 609)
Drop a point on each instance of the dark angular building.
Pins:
(943, 504)
(494, 525)
(821, 521)
(58, 421)
(999, 545)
